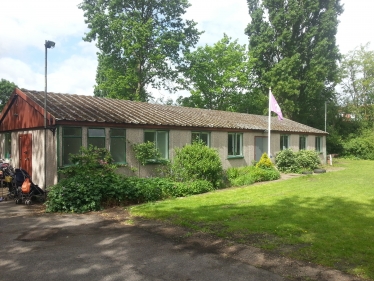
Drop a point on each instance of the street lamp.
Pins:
(48, 45)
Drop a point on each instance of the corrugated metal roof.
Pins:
(68, 107)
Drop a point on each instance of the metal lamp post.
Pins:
(48, 45)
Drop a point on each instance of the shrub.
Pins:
(197, 161)
(78, 194)
(288, 161)
(265, 162)
(180, 189)
(87, 182)
(251, 174)
(361, 146)
(146, 152)
(307, 159)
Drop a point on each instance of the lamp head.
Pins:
(49, 44)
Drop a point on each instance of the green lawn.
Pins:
(326, 219)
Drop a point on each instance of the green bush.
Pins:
(86, 184)
(288, 161)
(251, 174)
(265, 162)
(361, 147)
(79, 194)
(197, 161)
(146, 152)
(307, 159)
(181, 189)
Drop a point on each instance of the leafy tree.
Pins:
(217, 77)
(6, 89)
(293, 50)
(358, 83)
(141, 44)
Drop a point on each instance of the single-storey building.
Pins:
(76, 120)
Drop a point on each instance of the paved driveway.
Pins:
(38, 246)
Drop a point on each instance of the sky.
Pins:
(25, 25)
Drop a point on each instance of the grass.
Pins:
(326, 219)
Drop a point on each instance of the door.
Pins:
(261, 146)
(25, 153)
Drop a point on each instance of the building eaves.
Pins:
(79, 108)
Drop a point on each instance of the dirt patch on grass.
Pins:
(272, 260)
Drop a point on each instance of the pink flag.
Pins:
(275, 107)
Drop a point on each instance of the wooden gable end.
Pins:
(22, 113)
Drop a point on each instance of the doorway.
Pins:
(261, 146)
(25, 153)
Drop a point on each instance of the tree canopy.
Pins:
(6, 89)
(358, 83)
(293, 50)
(141, 44)
(218, 77)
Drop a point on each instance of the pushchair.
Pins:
(26, 189)
(7, 175)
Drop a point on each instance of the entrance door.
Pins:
(25, 153)
(261, 146)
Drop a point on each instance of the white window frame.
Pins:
(157, 139)
(318, 144)
(236, 140)
(305, 142)
(281, 143)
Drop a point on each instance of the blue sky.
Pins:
(25, 25)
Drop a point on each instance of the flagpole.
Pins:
(269, 124)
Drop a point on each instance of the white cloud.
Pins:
(20, 73)
(356, 24)
(26, 23)
(74, 76)
(218, 17)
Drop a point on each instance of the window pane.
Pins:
(149, 136)
(70, 145)
(8, 145)
(318, 144)
(230, 144)
(239, 145)
(205, 138)
(98, 142)
(302, 143)
(162, 143)
(117, 132)
(96, 133)
(195, 137)
(71, 132)
(118, 149)
(283, 142)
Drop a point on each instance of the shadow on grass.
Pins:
(330, 231)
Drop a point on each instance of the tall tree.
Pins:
(140, 42)
(358, 83)
(6, 89)
(218, 78)
(293, 50)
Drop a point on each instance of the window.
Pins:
(204, 136)
(235, 144)
(7, 146)
(302, 142)
(71, 143)
(283, 142)
(318, 144)
(118, 145)
(96, 137)
(161, 140)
